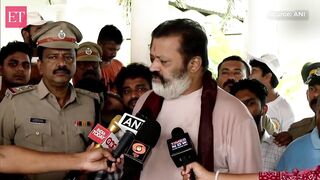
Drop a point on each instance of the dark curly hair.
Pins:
(253, 86)
(12, 47)
(133, 70)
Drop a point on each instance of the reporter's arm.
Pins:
(202, 174)
(20, 160)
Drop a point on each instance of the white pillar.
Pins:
(146, 15)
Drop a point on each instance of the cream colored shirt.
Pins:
(236, 139)
(32, 118)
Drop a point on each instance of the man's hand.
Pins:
(96, 160)
(199, 171)
(282, 139)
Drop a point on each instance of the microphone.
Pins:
(106, 137)
(113, 127)
(130, 123)
(146, 138)
(181, 149)
(103, 137)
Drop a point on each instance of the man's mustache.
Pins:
(64, 69)
(229, 81)
(155, 74)
(92, 73)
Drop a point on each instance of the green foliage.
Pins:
(220, 47)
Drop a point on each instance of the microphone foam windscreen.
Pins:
(149, 133)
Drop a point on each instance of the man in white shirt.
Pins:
(267, 70)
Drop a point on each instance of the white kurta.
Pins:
(236, 140)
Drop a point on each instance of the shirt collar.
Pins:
(315, 138)
(43, 91)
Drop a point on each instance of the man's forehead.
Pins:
(53, 50)
(20, 56)
(314, 85)
(135, 81)
(245, 94)
(232, 63)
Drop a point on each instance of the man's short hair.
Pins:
(235, 58)
(132, 71)
(110, 33)
(193, 38)
(13, 47)
(253, 86)
(265, 70)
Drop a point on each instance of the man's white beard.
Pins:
(172, 89)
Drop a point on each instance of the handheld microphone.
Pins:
(113, 127)
(146, 138)
(103, 137)
(131, 123)
(181, 148)
(106, 137)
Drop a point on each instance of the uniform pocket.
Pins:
(35, 132)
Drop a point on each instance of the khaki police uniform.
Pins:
(31, 116)
(310, 74)
(302, 127)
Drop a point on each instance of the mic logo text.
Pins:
(131, 123)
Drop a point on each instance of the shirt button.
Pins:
(62, 132)
(37, 133)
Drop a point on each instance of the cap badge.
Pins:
(317, 72)
(61, 34)
(88, 51)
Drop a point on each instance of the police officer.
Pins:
(52, 116)
(311, 76)
(88, 62)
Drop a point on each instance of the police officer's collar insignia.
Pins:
(88, 51)
(61, 34)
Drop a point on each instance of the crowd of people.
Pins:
(240, 126)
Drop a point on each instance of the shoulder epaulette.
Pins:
(88, 93)
(18, 90)
(303, 122)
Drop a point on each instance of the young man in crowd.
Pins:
(253, 94)
(110, 40)
(131, 82)
(15, 65)
(231, 70)
(267, 70)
